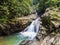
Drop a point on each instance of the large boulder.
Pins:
(13, 26)
(16, 25)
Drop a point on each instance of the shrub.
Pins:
(43, 4)
(12, 8)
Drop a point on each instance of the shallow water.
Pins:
(11, 39)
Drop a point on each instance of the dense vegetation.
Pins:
(44, 4)
(13, 8)
(49, 10)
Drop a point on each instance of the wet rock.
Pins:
(26, 42)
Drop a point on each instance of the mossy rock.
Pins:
(13, 27)
(51, 19)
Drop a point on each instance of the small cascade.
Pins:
(32, 30)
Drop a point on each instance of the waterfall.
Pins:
(32, 30)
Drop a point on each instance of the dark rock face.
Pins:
(40, 12)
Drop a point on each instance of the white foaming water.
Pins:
(32, 30)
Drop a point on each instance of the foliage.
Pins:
(44, 4)
(12, 8)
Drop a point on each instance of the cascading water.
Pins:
(32, 30)
(28, 34)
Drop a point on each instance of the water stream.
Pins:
(29, 33)
(32, 30)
